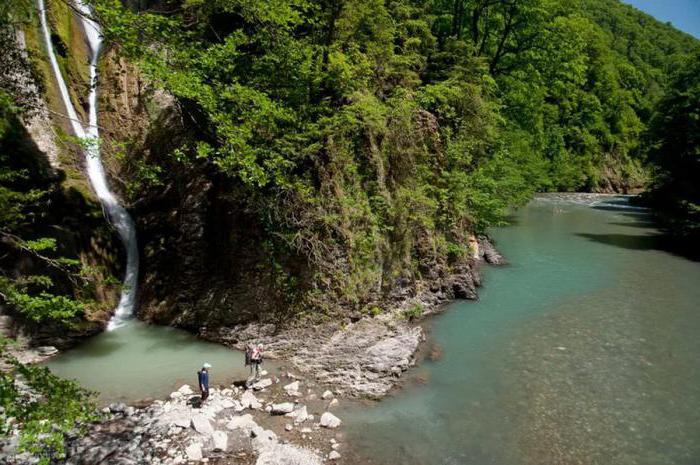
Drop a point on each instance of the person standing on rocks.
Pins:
(256, 359)
(203, 378)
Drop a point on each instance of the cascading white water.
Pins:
(117, 215)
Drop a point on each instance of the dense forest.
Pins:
(362, 143)
(368, 138)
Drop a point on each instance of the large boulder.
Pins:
(220, 440)
(202, 425)
(328, 420)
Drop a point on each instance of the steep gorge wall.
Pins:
(40, 142)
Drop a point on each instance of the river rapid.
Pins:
(584, 350)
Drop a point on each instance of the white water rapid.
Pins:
(116, 214)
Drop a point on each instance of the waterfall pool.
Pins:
(138, 361)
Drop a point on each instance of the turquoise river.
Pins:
(585, 349)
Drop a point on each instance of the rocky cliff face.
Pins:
(208, 261)
(39, 147)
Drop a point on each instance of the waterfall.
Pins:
(116, 214)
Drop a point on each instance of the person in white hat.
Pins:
(203, 377)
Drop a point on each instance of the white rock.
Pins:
(288, 427)
(306, 430)
(220, 440)
(202, 425)
(334, 455)
(262, 384)
(281, 409)
(300, 414)
(292, 387)
(194, 451)
(180, 418)
(263, 373)
(47, 351)
(248, 400)
(227, 403)
(185, 390)
(328, 420)
(244, 422)
(333, 403)
(262, 436)
(335, 446)
(268, 408)
(326, 395)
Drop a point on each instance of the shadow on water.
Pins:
(103, 348)
(660, 242)
(636, 224)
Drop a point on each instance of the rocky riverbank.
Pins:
(282, 419)
(277, 420)
(364, 356)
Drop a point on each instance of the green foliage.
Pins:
(674, 148)
(415, 311)
(25, 203)
(371, 137)
(42, 306)
(44, 407)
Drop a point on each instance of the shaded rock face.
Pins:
(205, 263)
(75, 221)
(204, 257)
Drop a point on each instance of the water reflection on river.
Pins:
(583, 351)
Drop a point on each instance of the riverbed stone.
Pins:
(328, 420)
(185, 390)
(47, 351)
(262, 384)
(300, 414)
(292, 389)
(194, 452)
(283, 408)
(220, 440)
(244, 422)
(202, 425)
(248, 400)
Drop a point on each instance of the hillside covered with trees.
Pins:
(290, 158)
(366, 139)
